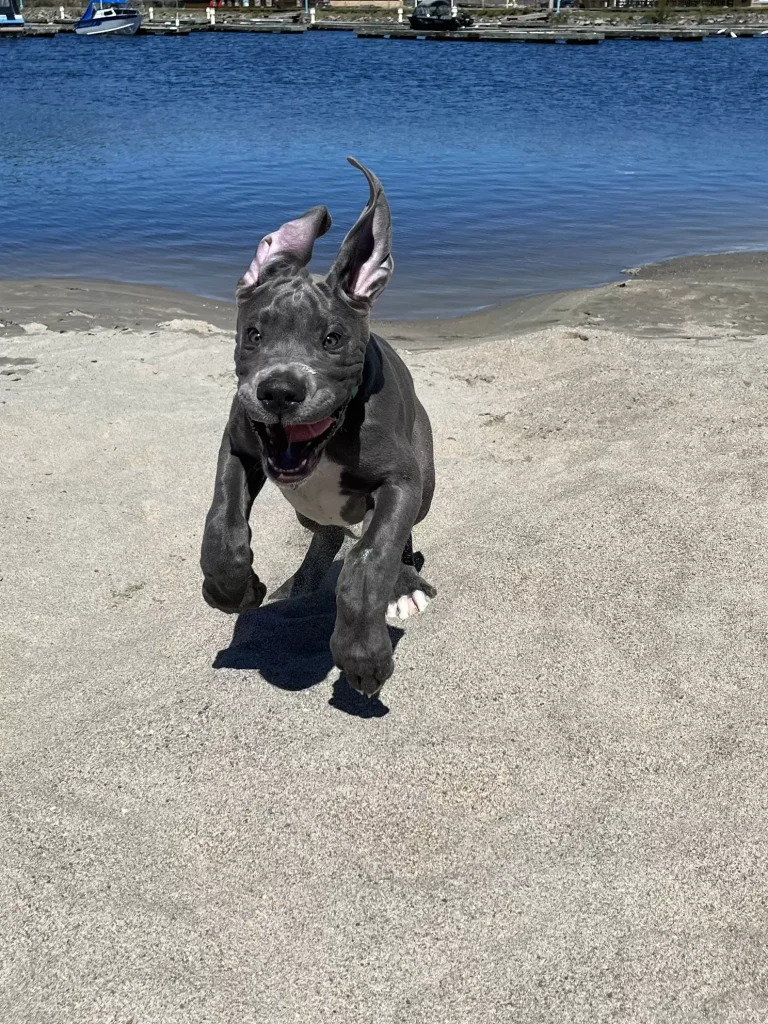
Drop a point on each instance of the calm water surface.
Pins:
(510, 169)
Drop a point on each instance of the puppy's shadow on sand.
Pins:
(288, 642)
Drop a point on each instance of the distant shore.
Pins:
(51, 13)
(660, 296)
(390, 21)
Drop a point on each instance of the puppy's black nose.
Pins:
(278, 394)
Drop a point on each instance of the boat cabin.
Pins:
(10, 16)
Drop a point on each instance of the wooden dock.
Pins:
(40, 31)
(163, 30)
(471, 35)
(536, 34)
(280, 28)
(573, 36)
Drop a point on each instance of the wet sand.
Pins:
(555, 815)
(659, 297)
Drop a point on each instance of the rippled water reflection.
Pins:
(510, 169)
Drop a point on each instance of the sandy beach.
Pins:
(556, 813)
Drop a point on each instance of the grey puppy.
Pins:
(327, 410)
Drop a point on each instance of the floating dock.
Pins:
(281, 28)
(40, 31)
(569, 36)
(471, 35)
(164, 30)
(536, 34)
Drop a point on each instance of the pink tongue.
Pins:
(306, 431)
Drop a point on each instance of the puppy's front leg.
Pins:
(230, 583)
(360, 643)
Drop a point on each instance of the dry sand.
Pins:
(557, 815)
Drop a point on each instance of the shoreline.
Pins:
(672, 293)
(497, 25)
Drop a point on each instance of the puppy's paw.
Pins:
(225, 598)
(411, 594)
(408, 605)
(365, 659)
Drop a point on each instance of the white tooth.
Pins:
(420, 599)
(402, 607)
(391, 610)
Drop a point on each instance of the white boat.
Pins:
(116, 19)
(11, 21)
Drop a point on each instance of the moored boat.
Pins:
(116, 19)
(11, 21)
(439, 16)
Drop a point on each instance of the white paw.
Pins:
(408, 605)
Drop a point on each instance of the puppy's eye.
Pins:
(332, 340)
(253, 335)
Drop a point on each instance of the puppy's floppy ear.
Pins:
(293, 241)
(364, 264)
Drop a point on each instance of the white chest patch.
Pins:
(319, 497)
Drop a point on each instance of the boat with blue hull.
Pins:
(11, 21)
(114, 19)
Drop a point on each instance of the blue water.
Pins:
(510, 169)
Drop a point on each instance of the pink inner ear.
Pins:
(364, 264)
(373, 277)
(296, 239)
(251, 276)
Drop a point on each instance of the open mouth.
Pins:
(291, 451)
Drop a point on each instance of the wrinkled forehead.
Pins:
(296, 302)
